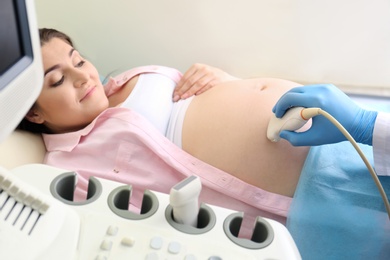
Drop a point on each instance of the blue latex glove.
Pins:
(357, 121)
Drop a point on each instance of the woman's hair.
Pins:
(45, 35)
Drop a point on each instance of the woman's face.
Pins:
(72, 94)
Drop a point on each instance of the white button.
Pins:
(189, 257)
(174, 248)
(44, 208)
(151, 256)
(156, 243)
(214, 258)
(101, 257)
(13, 190)
(21, 196)
(128, 241)
(6, 184)
(112, 230)
(29, 200)
(37, 204)
(106, 245)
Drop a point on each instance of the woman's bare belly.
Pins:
(226, 127)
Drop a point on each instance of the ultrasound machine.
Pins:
(39, 220)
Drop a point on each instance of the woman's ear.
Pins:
(34, 116)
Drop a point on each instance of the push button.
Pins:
(106, 245)
(174, 248)
(156, 243)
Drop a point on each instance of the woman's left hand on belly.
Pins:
(199, 78)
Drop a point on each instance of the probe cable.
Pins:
(308, 113)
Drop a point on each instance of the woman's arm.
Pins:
(199, 78)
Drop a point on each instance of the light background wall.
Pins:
(345, 42)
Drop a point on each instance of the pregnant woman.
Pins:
(131, 130)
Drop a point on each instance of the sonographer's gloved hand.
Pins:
(357, 121)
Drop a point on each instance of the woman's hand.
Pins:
(199, 78)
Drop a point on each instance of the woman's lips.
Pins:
(88, 93)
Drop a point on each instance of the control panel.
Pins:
(102, 227)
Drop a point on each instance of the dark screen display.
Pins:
(10, 44)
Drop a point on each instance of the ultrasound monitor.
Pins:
(21, 70)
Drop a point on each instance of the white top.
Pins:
(152, 98)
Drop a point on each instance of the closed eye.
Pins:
(58, 83)
(80, 64)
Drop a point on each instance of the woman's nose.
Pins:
(81, 78)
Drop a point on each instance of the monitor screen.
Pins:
(10, 44)
(21, 72)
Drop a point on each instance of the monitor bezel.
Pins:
(22, 82)
(24, 37)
